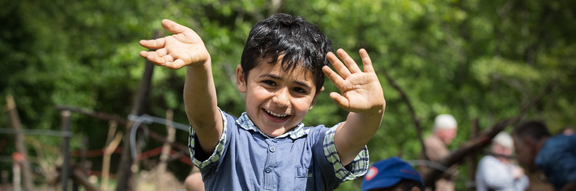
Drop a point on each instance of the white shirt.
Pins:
(493, 174)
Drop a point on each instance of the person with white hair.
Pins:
(444, 130)
(496, 172)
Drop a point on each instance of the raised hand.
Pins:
(361, 91)
(183, 48)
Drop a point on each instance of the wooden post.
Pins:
(83, 159)
(16, 176)
(4, 174)
(111, 131)
(75, 184)
(65, 150)
(125, 175)
(20, 146)
(106, 161)
(165, 150)
(113, 124)
(473, 158)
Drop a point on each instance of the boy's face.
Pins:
(276, 100)
(526, 152)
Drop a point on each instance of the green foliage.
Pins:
(469, 58)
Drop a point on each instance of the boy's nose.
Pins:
(282, 97)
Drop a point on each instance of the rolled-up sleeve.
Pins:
(357, 168)
(218, 151)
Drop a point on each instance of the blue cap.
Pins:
(387, 173)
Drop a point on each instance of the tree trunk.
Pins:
(165, 151)
(65, 150)
(125, 174)
(473, 158)
(20, 146)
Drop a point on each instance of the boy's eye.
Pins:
(300, 90)
(269, 82)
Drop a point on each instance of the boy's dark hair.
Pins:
(300, 42)
(535, 130)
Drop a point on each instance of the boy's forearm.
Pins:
(359, 128)
(355, 132)
(201, 105)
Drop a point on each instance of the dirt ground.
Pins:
(153, 181)
(538, 182)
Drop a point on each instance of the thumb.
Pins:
(340, 100)
(173, 27)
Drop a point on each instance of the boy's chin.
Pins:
(274, 131)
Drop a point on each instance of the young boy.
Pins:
(392, 174)
(555, 156)
(281, 72)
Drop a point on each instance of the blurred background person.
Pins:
(555, 156)
(496, 172)
(568, 130)
(444, 131)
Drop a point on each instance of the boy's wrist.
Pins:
(206, 64)
(374, 111)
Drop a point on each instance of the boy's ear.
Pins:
(240, 79)
(316, 96)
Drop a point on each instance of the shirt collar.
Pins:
(247, 124)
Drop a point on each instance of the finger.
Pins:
(154, 58)
(153, 44)
(174, 27)
(340, 100)
(352, 66)
(340, 68)
(333, 76)
(161, 52)
(366, 61)
(168, 58)
(179, 63)
(144, 54)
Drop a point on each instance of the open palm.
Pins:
(181, 49)
(361, 91)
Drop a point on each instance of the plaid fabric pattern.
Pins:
(357, 168)
(217, 152)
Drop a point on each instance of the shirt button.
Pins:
(272, 149)
(268, 170)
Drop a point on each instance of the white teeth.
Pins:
(275, 114)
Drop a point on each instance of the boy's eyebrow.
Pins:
(278, 77)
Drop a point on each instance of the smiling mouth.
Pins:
(275, 115)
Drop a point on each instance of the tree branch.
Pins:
(412, 112)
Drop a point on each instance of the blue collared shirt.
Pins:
(304, 158)
(557, 159)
